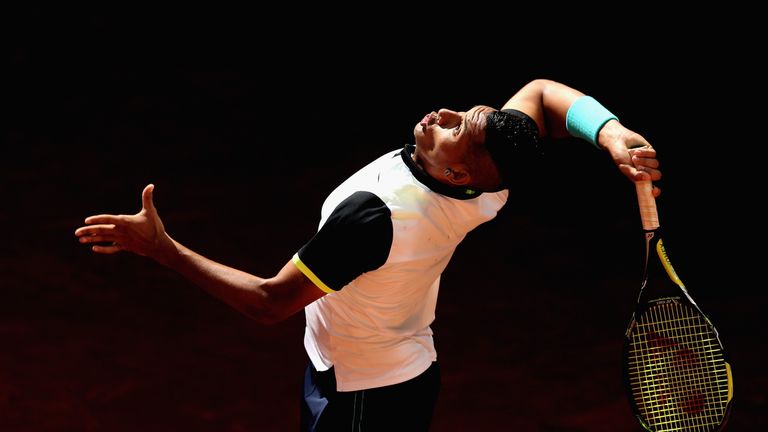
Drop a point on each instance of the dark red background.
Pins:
(244, 131)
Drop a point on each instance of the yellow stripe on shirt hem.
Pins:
(308, 273)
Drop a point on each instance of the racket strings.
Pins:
(677, 372)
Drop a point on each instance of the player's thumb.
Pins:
(147, 202)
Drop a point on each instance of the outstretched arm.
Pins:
(267, 300)
(548, 102)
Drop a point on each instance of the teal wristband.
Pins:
(586, 117)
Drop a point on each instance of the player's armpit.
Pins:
(288, 292)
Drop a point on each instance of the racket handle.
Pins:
(647, 203)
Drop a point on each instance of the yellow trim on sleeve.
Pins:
(308, 273)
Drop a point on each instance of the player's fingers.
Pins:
(106, 249)
(91, 230)
(147, 201)
(633, 173)
(654, 174)
(97, 239)
(645, 151)
(644, 161)
(105, 219)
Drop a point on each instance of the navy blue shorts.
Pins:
(407, 406)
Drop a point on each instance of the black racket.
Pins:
(677, 374)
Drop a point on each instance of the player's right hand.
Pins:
(142, 233)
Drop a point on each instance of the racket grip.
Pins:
(647, 204)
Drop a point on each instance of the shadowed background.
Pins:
(244, 132)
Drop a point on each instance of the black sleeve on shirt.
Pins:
(355, 239)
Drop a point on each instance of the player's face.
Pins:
(443, 137)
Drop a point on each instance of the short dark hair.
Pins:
(512, 139)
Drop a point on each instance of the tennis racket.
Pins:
(676, 372)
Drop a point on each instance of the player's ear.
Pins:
(458, 175)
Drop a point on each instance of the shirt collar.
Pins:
(457, 192)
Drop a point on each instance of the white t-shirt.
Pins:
(385, 236)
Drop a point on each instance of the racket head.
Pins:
(675, 369)
(676, 372)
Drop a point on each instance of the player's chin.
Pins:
(422, 141)
(418, 130)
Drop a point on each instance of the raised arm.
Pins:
(548, 103)
(267, 300)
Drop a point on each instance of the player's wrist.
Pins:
(611, 132)
(586, 117)
(167, 252)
